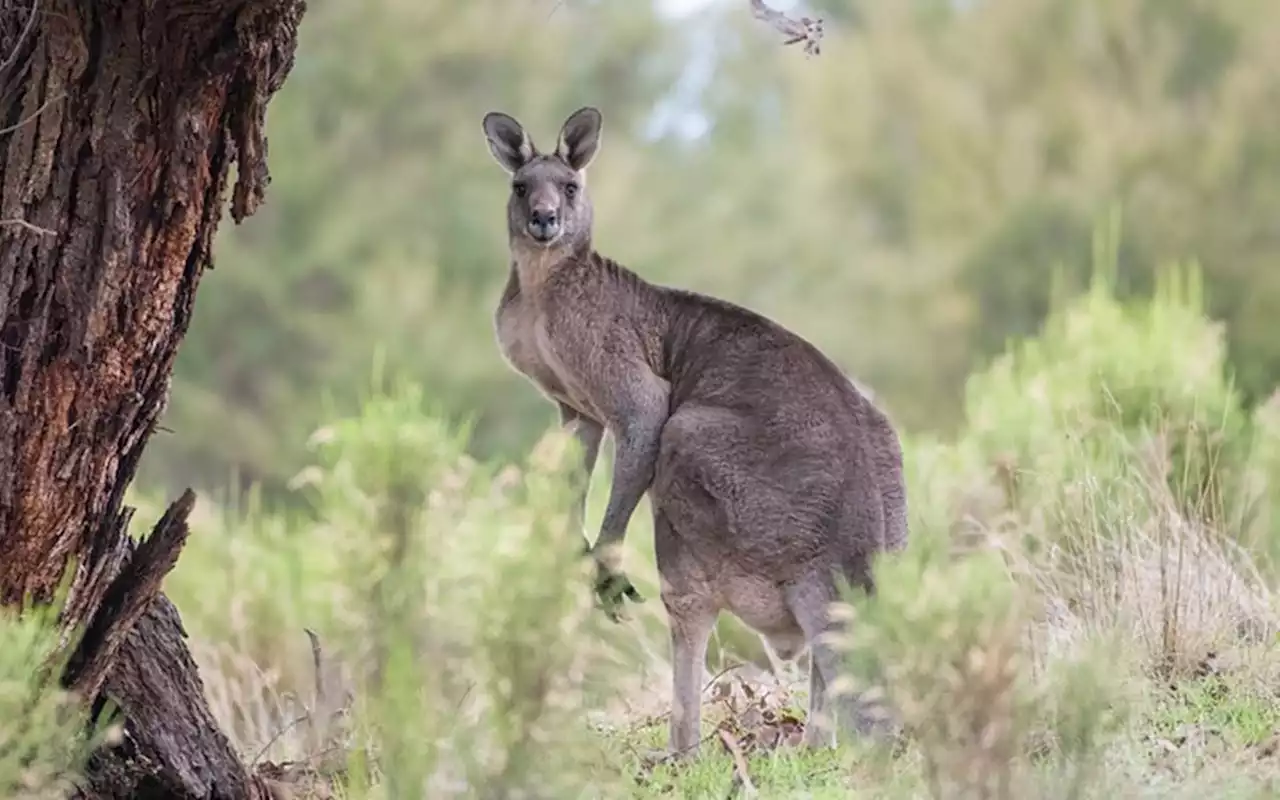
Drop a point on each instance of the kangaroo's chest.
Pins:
(517, 324)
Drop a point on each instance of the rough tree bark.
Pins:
(121, 121)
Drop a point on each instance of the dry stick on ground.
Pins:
(317, 660)
(741, 777)
(804, 29)
(319, 703)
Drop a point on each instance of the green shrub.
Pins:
(1154, 371)
(1112, 457)
(46, 737)
(943, 642)
(1093, 529)
(965, 641)
(457, 641)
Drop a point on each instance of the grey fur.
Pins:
(770, 475)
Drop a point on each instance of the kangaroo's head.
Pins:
(548, 206)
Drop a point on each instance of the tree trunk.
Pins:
(121, 120)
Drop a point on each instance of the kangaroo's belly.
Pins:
(700, 572)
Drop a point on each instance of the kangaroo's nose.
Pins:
(544, 224)
(544, 217)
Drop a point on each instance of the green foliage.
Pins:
(1063, 554)
(450, 602)
(1156, 372)
(946, 639)
(986, 141)
(1083, 705)
(1243, 715)
(46, 738)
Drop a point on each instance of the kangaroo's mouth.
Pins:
(544, 234)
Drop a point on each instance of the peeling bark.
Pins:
(121, 120)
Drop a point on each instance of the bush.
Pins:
(943, 638)
(1154, 372)
(1112, 455)
(46, 739)
(456, 640)
(1092, 530)
(952, 643)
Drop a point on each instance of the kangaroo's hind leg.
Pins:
(691, 615)
(809, 599)
(819, 730)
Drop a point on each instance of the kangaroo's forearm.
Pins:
(633, 468)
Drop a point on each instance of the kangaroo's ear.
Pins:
(508, 141)
(580, 138)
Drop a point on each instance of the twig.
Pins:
(17, 46)
(741, 778)
(317, 659)
(22, 223)
(457, 707)
(319, 701)
(805, 29)
(720, 675)
(276, 737)
(672, 756)
(15, 126)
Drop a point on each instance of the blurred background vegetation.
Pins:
(908, 200)
(1039, 230)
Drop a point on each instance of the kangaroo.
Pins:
(770, 476)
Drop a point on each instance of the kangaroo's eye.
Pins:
(520, 189)
(570, 189)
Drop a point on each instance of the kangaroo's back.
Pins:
(793, 442)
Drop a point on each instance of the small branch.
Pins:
(805, 29)
(17, 46)
(720, 675)
(15, 126)
(319, 703)
(741, 777)
(127, 599)
(22, 223)
(317, 659)
(275, 737)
